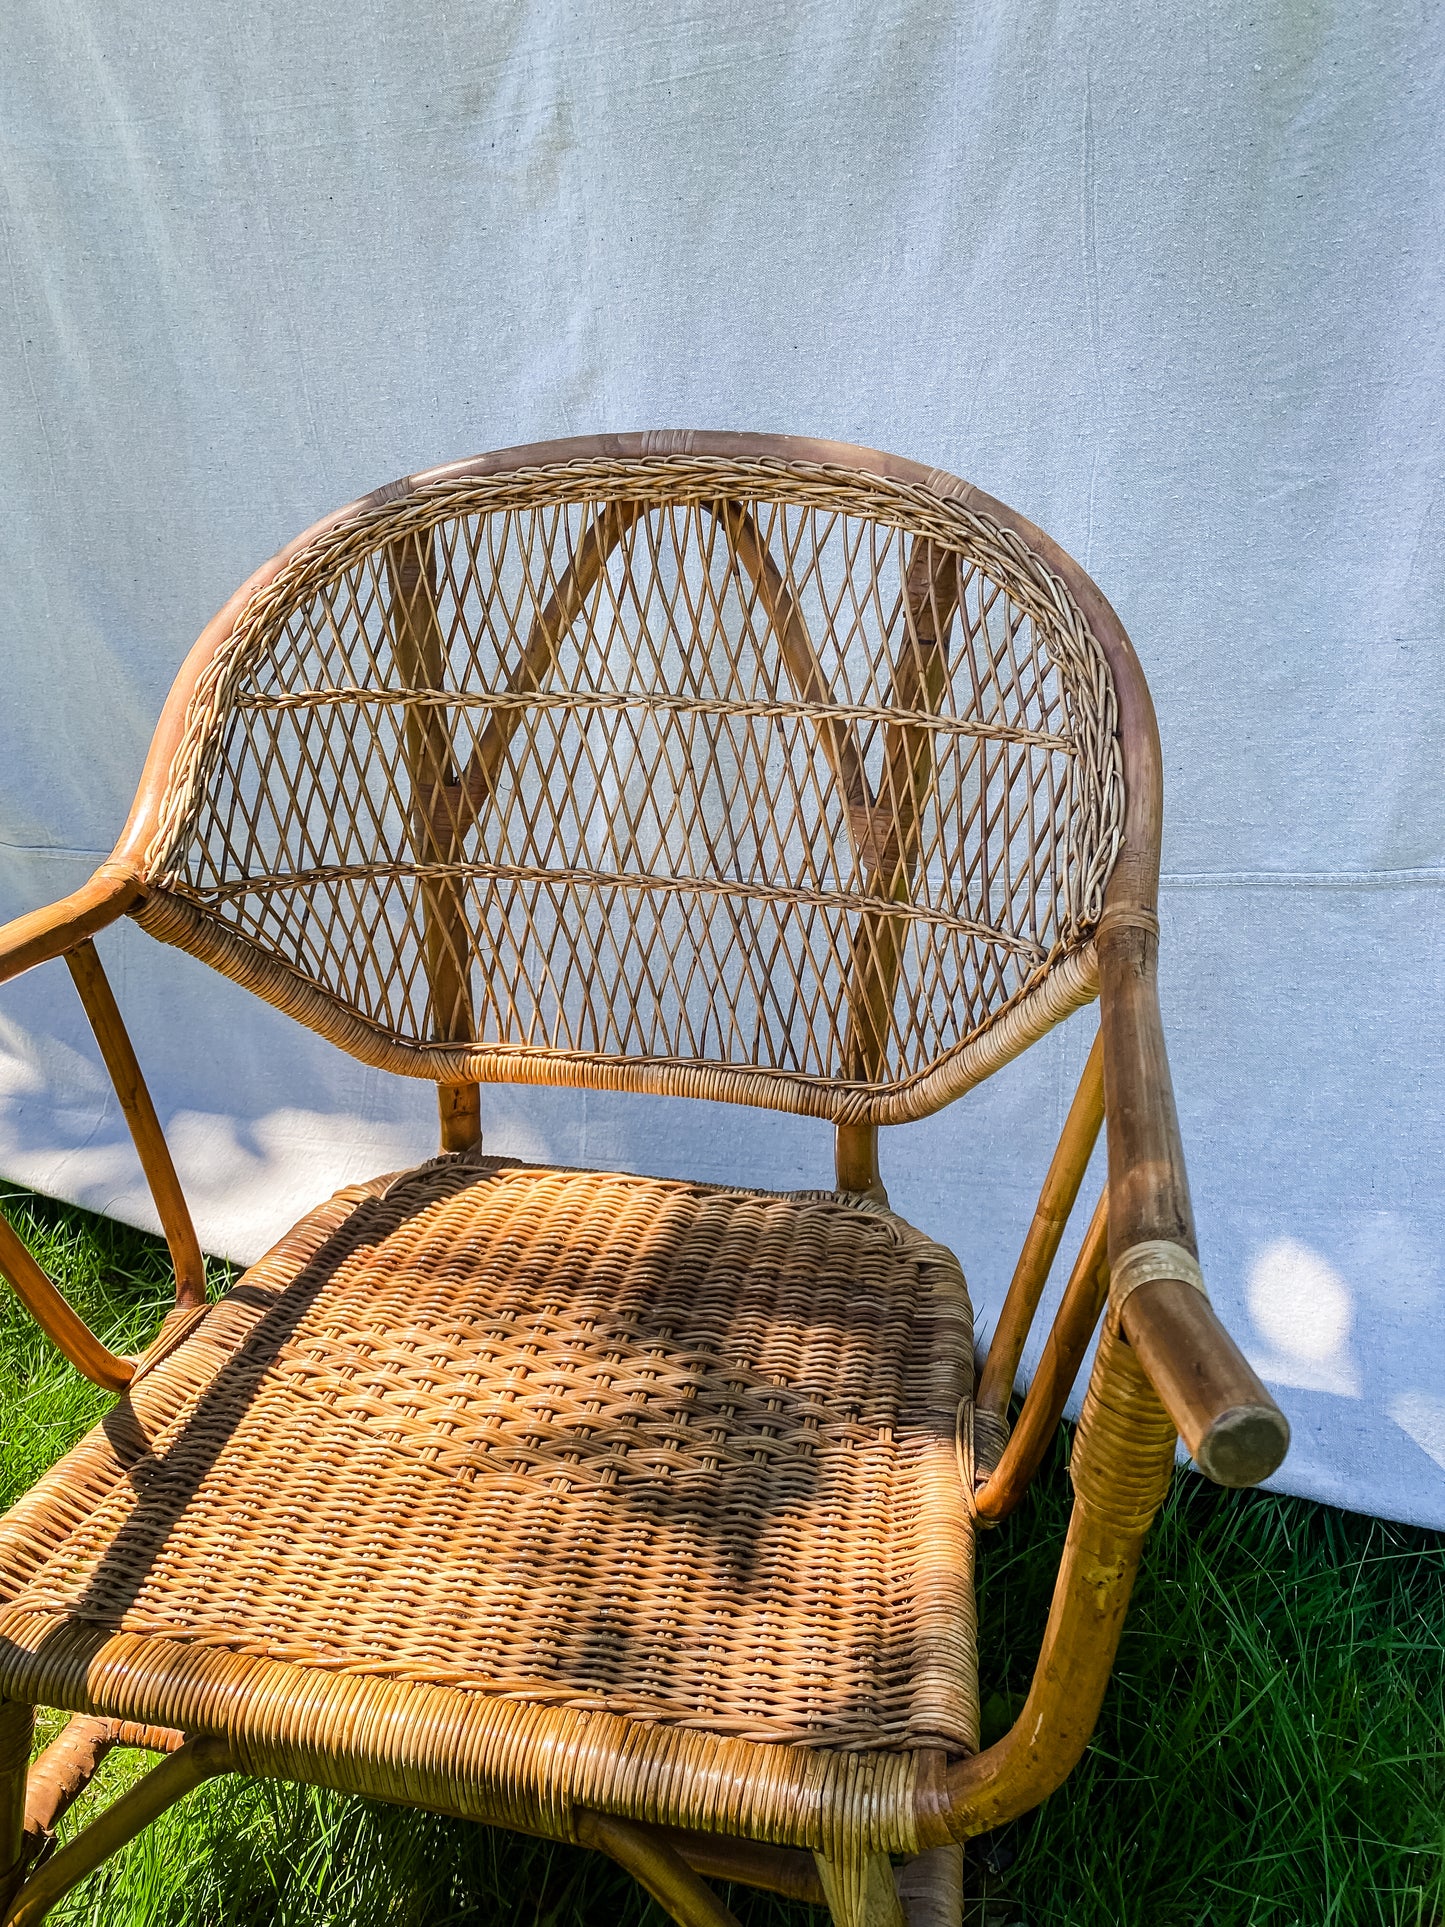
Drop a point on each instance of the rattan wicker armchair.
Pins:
(618, 1510)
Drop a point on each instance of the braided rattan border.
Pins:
(1064, 987)
(505, 1763)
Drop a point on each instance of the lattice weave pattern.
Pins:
(729, 766)
(585, 1441)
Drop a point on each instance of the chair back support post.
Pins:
(887, 835)
(855, 1160)
(1041, 1243)
(420, 653)
(1068, 1340)
(887, 826)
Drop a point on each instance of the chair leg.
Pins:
(788, 1871)
(655, 1864)
(17, 1727)
(930, 1887)
(198, 1760)
(861, 1892)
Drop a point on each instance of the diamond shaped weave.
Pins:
(755, 779)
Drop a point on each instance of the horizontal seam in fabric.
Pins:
(1426, 877)
(53, 849)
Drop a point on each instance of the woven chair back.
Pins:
(770, 780)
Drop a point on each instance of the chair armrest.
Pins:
(68, 1332)
(65, 929)
(42, 934)
(1233, 1429)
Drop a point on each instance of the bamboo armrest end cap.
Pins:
(1231, 1427)
(1243, 1446)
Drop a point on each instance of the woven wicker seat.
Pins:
(495, 1396)
(625, 1511)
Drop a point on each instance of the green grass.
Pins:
(1272, 1751)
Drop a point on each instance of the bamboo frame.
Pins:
(855, 1160)
(1122, 1462)
(65, 1329)
(657, 1866)
(1164, 1362)
(1233, 1429)
(889, 823)
(1048, 1392)
(114, 890)
(930, 1887)
(140, 1116)
(17, 1725)
(181, 1773)
(919, 676)
(750, 1863)
(65, 930)
(1041, 1243)
(33, 1801)
(420, 653)
(861, 1891)
(65, 1769)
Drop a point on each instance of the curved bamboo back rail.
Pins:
(776, 776)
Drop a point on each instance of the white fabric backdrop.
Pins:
(1166, 279)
